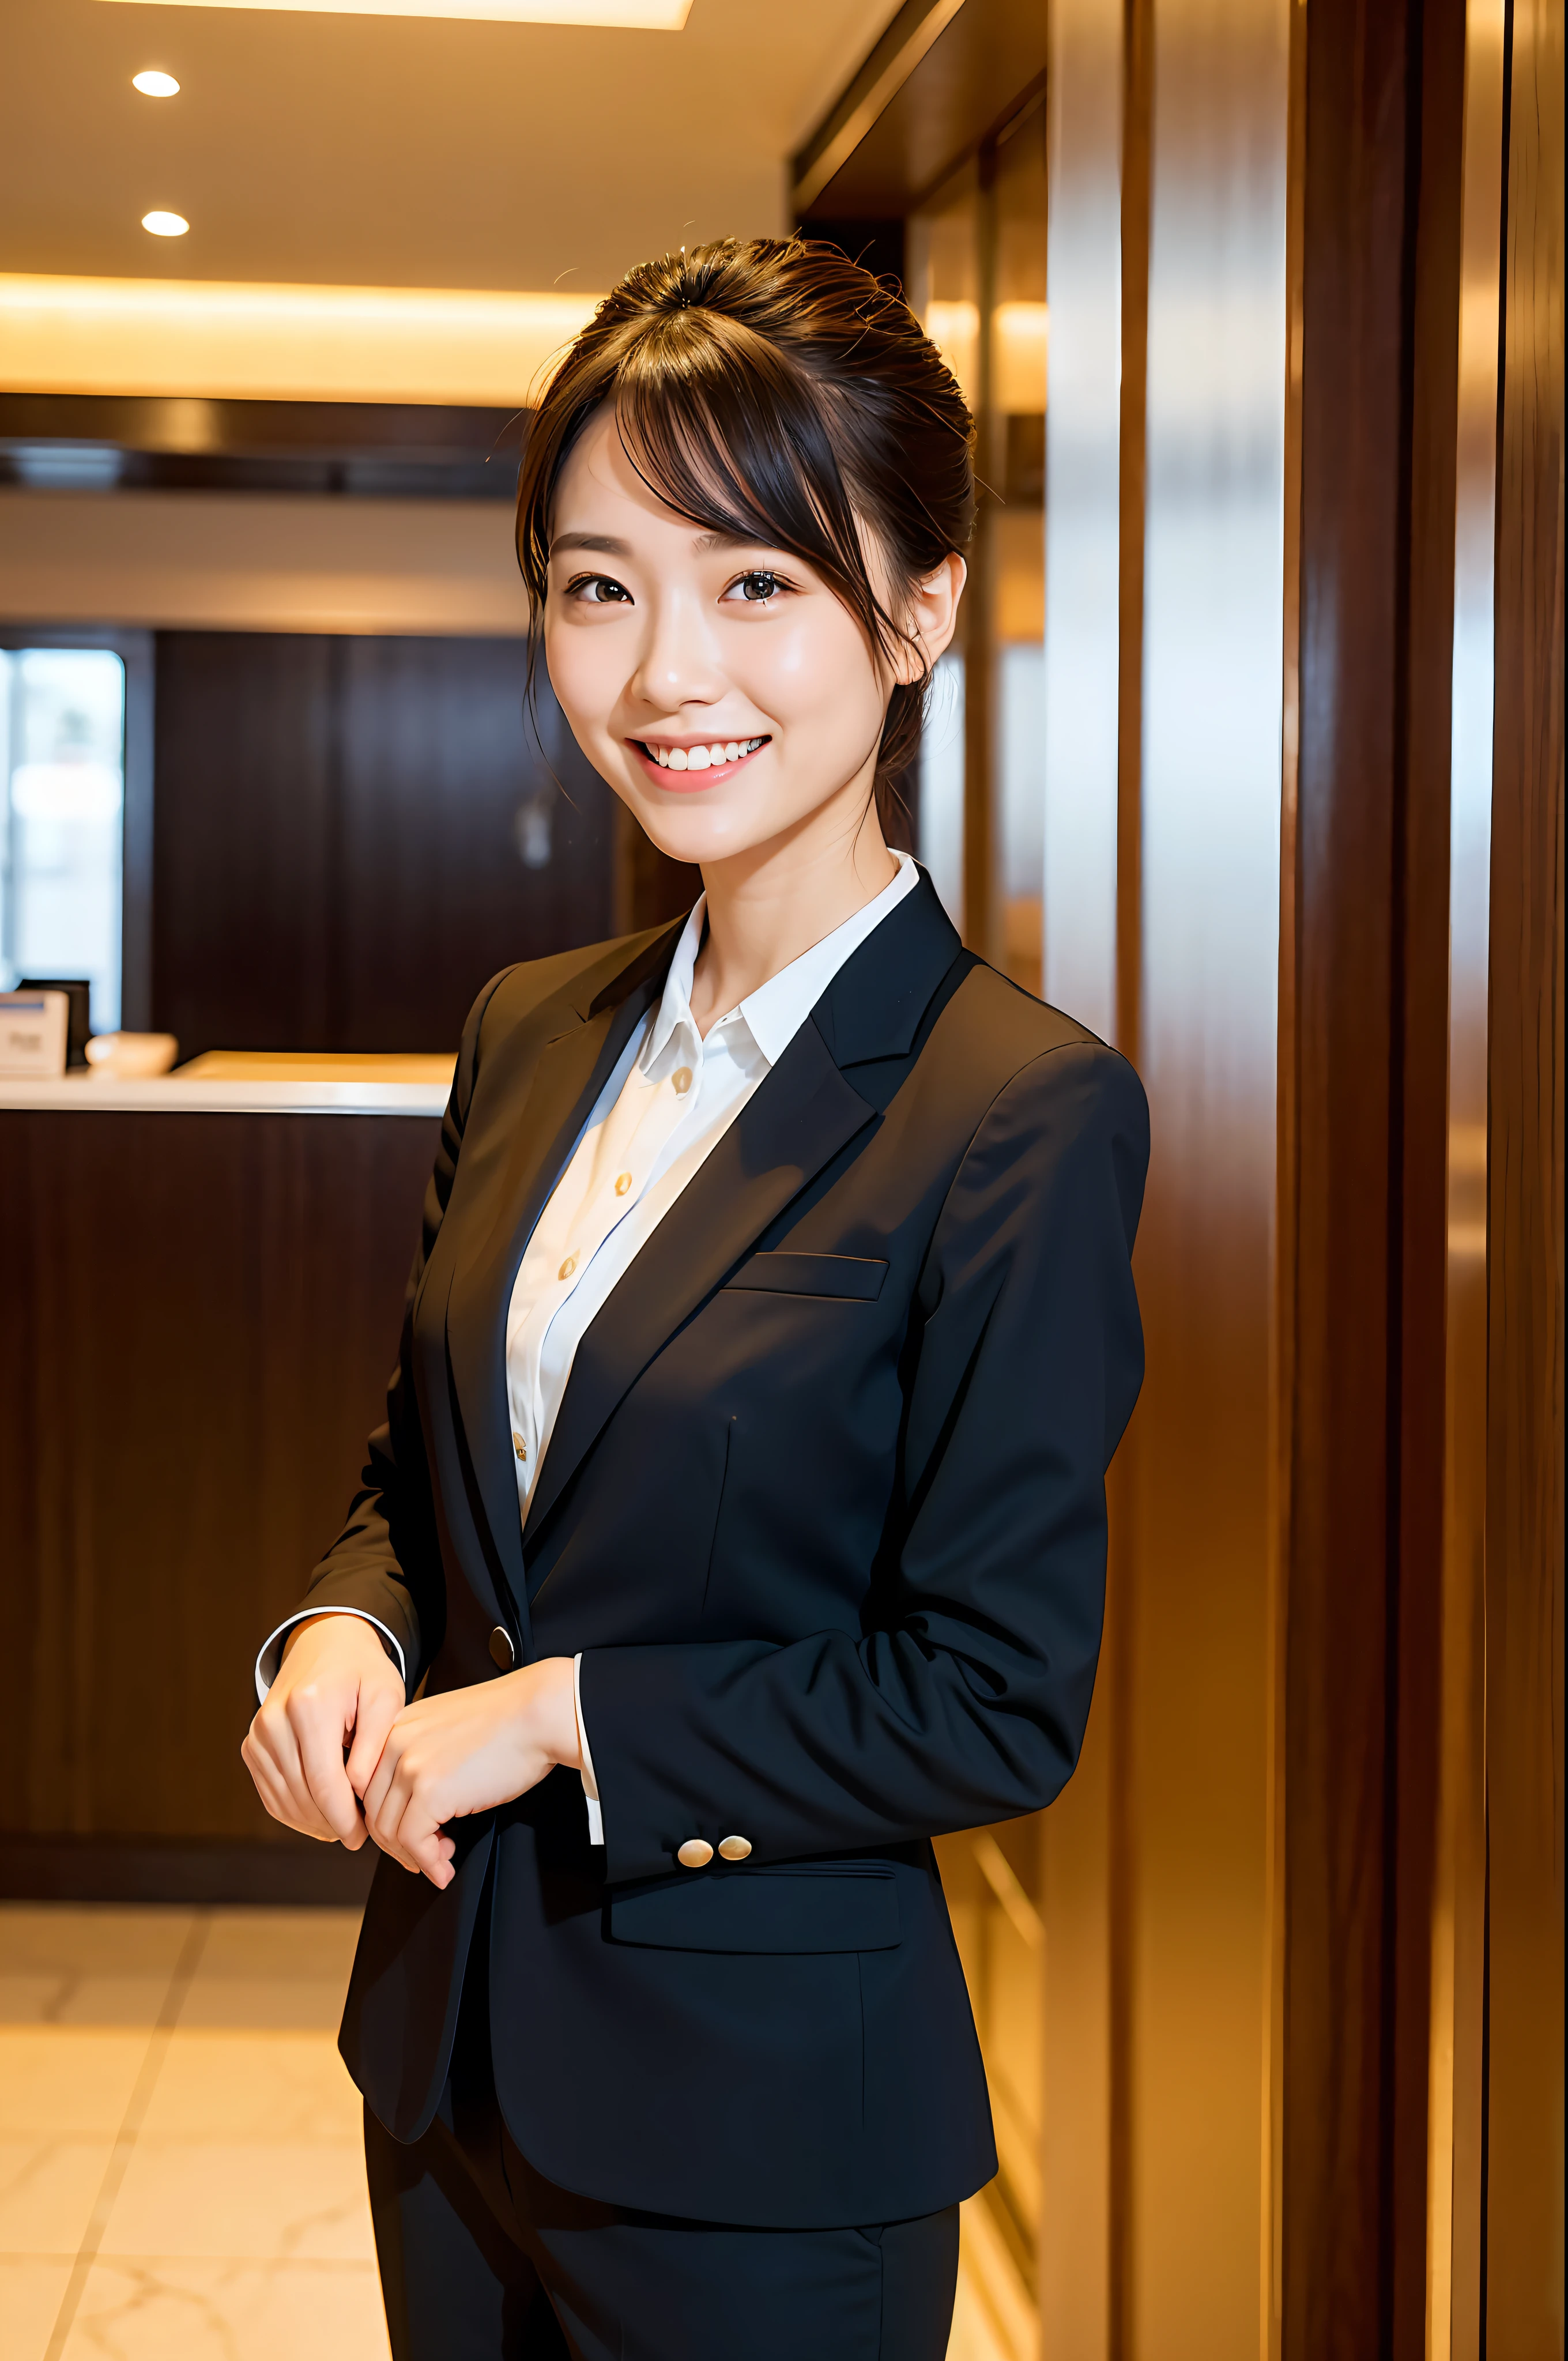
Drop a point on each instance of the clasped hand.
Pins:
(335, 1752)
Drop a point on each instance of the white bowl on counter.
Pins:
(131, 1057)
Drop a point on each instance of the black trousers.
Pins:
(482, 2259)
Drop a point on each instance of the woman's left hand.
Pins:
(469, 1750)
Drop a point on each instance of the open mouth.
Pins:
(684, 768)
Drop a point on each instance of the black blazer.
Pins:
(824, 1509)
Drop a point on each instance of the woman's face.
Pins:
(725, 692)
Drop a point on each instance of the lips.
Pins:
(682, 770)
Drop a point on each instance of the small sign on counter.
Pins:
(33, 1032)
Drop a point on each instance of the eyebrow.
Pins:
(606, 545)
(603, 542)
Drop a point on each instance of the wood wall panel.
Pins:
(1524, 2286)
(352, 835)
(197, 1341)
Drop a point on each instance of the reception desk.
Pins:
(204, 1281)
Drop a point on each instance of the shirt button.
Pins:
(736, 1848)
(682, 1079)
(567, 1267)
(695, 1854)
(623, 1183)
(519, 1446)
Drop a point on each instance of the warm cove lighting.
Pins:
(238, 341)
(152, 84)
(630, 15)
(164, 224)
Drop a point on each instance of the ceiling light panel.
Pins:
(629, 15)
(164, 224)
(153, 84)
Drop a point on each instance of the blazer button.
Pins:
(735, 1849)
(503, 1655)
(695, 1854)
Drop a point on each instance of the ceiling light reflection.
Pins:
(153, 84)
(164, 224)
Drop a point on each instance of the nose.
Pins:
(678, 664)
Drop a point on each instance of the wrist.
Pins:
(552, 1708)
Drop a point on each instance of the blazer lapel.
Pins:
(803, 1114)
(568, 1076)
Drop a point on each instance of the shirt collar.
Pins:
(775, 1012)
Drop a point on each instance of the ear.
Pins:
(931, 617)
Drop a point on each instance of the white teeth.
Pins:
(661, 756)
(731, 752)
(678, 759)
(697, 758)
(715, 754)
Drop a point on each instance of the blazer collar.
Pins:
(597, 1013)
(800, 1116)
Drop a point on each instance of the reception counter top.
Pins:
(245, 1081)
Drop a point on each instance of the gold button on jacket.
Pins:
(502, 1653)
(695, 1854)
(735, 1848)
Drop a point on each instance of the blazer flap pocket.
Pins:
(837, 1906)
(858, 1276)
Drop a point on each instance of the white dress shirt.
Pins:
(669, 1101)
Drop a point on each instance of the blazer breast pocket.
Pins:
(798, 1906)
(857, 1278)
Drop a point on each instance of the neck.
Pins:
(768, 906)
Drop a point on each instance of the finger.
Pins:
(385, 1801)
(379, 1706)
(317, 1728)
(277, 1797)
(419, 1837)
(274, 1745)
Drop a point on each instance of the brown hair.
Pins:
(773, 389)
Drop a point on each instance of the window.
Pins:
(62, 796)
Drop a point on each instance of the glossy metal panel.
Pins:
(1199, 1729)
(1454, 2097)
(1083, 512)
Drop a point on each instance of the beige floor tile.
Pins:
(264, 2086)
(31, 2290)
(69, 1963)
(46, 2188)
(162, 2311)
(67, 2080)
(273, 1967)
(286, 2200)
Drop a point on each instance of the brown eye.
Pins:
(759, 586)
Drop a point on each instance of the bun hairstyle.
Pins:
(772, 389)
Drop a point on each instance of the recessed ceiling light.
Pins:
(165, 225)
(642, 15)
(155, 85)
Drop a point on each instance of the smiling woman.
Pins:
(739, 1522)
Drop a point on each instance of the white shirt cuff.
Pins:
(270, 1651)
(590, 1784)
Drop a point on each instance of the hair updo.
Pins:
(771, 390)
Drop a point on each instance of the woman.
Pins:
(738, 1517)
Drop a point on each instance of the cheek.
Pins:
(584, 673)
(815, 675)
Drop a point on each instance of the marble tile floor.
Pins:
(180, 2170)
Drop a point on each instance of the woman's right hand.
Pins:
(318, 1734)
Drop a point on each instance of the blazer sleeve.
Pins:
(386, 1562)
(970, 1704)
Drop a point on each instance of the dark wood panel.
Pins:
(1381, 261)
(201, 1313)
(467, 841)
(1525, 1488)
(243, 841)
(353, 834)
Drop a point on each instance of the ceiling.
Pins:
(396, 151)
